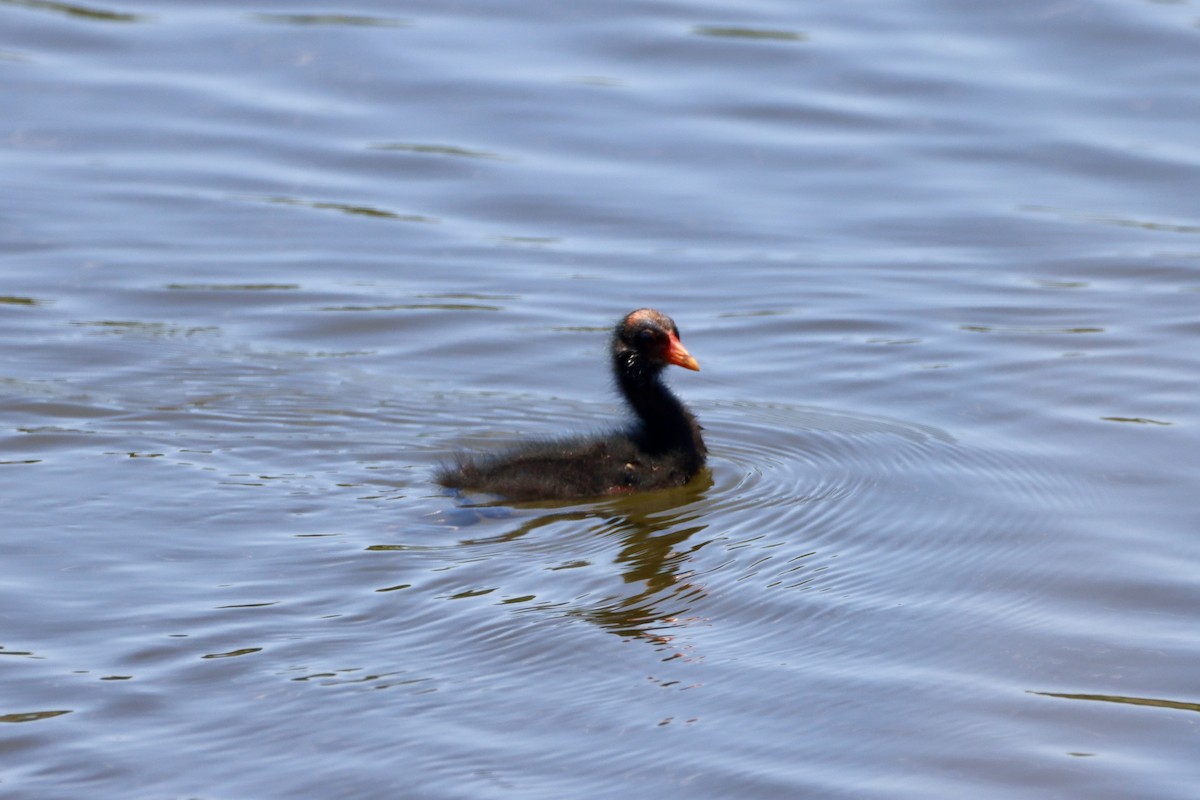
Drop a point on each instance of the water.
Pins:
(264, 268)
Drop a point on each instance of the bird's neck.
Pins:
(665, 423)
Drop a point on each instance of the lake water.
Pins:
(266, 266)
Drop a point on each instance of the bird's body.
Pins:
(662, 448)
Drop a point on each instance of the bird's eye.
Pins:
(646, 336)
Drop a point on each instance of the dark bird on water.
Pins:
(661, 448)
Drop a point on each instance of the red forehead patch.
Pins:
(644, 315)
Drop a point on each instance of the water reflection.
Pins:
(749, 33)
(645, 536)
(438, 149)
(330, 19)
(356, 209)
(654, 530)
(1177, 705)
(1026, 331)
(1112, 219)
(146, 329)
(78, 11)
(31, 716)
(232, 287)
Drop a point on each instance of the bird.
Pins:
(660, 448)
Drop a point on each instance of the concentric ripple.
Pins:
(903, 507)
(878, 510)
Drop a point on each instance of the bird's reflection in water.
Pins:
(655, 529)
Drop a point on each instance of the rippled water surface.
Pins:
(265, 267)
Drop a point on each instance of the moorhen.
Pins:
(662, 448)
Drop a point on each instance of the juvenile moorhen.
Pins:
(662, 447)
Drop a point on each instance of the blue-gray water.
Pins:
(264, 267)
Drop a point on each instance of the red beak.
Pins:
(678, 355)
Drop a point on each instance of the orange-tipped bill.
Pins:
(678, 355)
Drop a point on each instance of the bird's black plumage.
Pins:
(661, 448)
